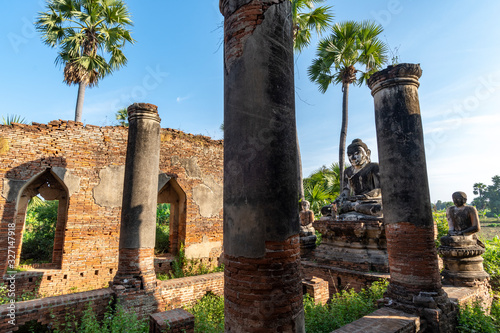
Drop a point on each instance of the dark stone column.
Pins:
(415, 281)
(261, 220)
(138, 221)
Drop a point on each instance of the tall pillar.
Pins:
(262, 288)
(138, 221)
(415, 284)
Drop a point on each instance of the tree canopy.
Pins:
(90, 36)
(488, 196)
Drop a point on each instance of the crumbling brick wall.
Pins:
(89, 163)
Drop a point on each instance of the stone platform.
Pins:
(355, 245)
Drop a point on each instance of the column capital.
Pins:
(401, 74)
(143, 111)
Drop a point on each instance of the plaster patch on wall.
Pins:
(109, 191)
(11, 188)
(202, 250)
(4, 145)
(189, 164)
(208, 197)
(71, 181)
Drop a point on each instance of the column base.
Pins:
(437, 313)
(136, 270)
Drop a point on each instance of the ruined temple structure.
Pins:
(107, 187)
(83, 167)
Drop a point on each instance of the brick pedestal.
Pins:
(317, 288)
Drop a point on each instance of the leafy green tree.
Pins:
(86, 31)
(122, 117)
(39, 232)
(488, 196)
(479, 189)
(307, 17)
(322, 187)
(350, 45)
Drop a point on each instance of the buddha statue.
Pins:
(461, 250)
(361, 196)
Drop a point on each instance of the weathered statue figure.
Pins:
(306, 219)
(460, 249)
(463, 221)
(361, 196)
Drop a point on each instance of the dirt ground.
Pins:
(489, 232)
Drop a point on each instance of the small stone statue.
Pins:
(463, 222)
(306, 219)
(361, 196)
(460, 249)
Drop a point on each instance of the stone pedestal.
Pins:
(463, 263)
(356, 245)
(415, 284)
(307, 241)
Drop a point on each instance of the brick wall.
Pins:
(170, 294)
(183, 291)
(90, 236)
(50, 310)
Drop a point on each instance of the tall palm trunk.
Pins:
(79, 101)
(343, 134)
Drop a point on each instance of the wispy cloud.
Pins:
(181, 99)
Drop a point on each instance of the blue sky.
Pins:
(177, 65)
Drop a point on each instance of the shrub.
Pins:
(491, 261)
(115, 321)
(472, 318)
(344, 307)
(209, 314)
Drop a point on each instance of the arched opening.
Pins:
(173, 194)
(50, 188)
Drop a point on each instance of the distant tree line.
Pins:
(488, 196)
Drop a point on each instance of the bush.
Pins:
(209, 314)
(344, 308)
(38, 236)
(442, 225)
(491, 261)
(115, 321)
(472, 319)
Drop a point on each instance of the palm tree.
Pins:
(350, 45)
(86, 31)
(322, 187)
(318, 19)
(122, 117)
(305, 19)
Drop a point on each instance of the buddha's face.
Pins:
(358, 157)
(305, 205)
(459, 200)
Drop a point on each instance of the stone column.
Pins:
(262, 288)
(138, 220)
(413, 263)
